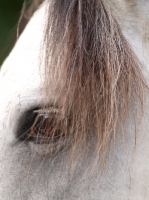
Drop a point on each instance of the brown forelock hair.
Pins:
(99, 75)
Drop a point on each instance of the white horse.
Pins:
(74, 104)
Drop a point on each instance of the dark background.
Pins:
(9, 14)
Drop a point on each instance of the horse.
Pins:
(74, 103)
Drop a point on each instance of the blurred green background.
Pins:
(9, 14)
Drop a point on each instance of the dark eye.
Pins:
(40, 126)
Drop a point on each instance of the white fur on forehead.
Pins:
(25, 55)
(129, 11)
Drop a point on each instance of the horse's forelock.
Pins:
(100, 76)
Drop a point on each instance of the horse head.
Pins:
(74, 117)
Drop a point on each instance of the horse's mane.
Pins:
(101, 76)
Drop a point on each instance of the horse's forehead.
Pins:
(21, 72)
(27, 48)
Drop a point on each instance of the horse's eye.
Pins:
(45, 125)
(41, 126)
